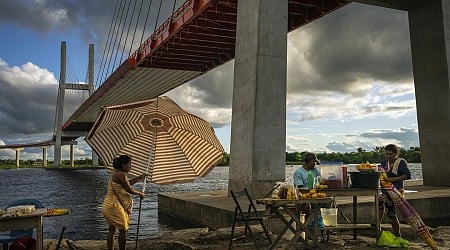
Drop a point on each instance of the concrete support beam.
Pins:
(18, 156)
(72, 156)
(430, 43)
(258, 130)
(44, 156)
(94, 159)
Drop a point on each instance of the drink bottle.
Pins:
(310, 180)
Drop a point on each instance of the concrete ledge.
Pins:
(215, 209)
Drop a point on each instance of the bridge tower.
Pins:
(68, 137)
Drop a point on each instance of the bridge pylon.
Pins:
(69, 137)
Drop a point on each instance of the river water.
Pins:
(83, 191)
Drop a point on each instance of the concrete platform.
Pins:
(215, 209)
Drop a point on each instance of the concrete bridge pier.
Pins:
(72, 156)
(94, 159)
(18, 156)
(258, 126)
(430, 44)
(44, 156)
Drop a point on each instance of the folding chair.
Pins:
(249, 216)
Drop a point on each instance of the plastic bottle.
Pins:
(310, 180)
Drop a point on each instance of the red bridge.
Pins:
(198, 37)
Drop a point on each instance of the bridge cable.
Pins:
(128, 30)
(101, 67)
(173, 8)
(157, 16)
(70, 100)
(135, 28)
(77, 94)
(120, 40)
(145, 23)
(114, 35)
(115, 39)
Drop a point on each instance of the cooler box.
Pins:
(334, 174)
(365, 179)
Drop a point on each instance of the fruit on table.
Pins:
(321, 186)
(366, 165)
(314, 194)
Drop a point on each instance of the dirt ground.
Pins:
(203, 238)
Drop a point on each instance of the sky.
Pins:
(349, 77)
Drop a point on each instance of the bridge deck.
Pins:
(198, 37)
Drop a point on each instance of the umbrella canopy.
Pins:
(163, 140)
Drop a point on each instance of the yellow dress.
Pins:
(112, 209)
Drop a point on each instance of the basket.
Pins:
(365, 179)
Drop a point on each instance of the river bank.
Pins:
(203, 238)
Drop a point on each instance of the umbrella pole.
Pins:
(140, 205)
(145, 181)
(138, 222)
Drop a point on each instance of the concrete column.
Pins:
(72, 156)
(60, 107)
(429, 27)
(44, 156)
(258, 131)
(94, 159)
(18, 156)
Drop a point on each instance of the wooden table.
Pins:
(26, 221)
(355, 192)
(278, 206)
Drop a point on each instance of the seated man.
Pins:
(301, 176)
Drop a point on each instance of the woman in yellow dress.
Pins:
(118, 202)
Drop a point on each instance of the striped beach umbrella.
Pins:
(164, 141)
(407, 211)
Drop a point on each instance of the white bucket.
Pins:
(329, 216)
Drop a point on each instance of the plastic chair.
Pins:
(16, 234)
(251, 215)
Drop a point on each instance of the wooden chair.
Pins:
(250, 216)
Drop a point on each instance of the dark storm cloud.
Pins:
(28, 100)
(216, 86)
(92, 20)
(406, 136)
(353, 45)
(403, 137)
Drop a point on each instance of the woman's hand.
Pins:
(141, 195)
(142, 176)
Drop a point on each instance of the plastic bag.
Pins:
(24, 243)
(319, 222)
(387, 239)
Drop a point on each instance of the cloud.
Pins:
(37, 15)
(208, 96)
(403, 137)
(350, 65)
(348, 49)
(28, 101)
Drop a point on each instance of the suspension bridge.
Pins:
(199, 35)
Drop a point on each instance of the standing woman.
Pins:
(396, 171)
(118, 202)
